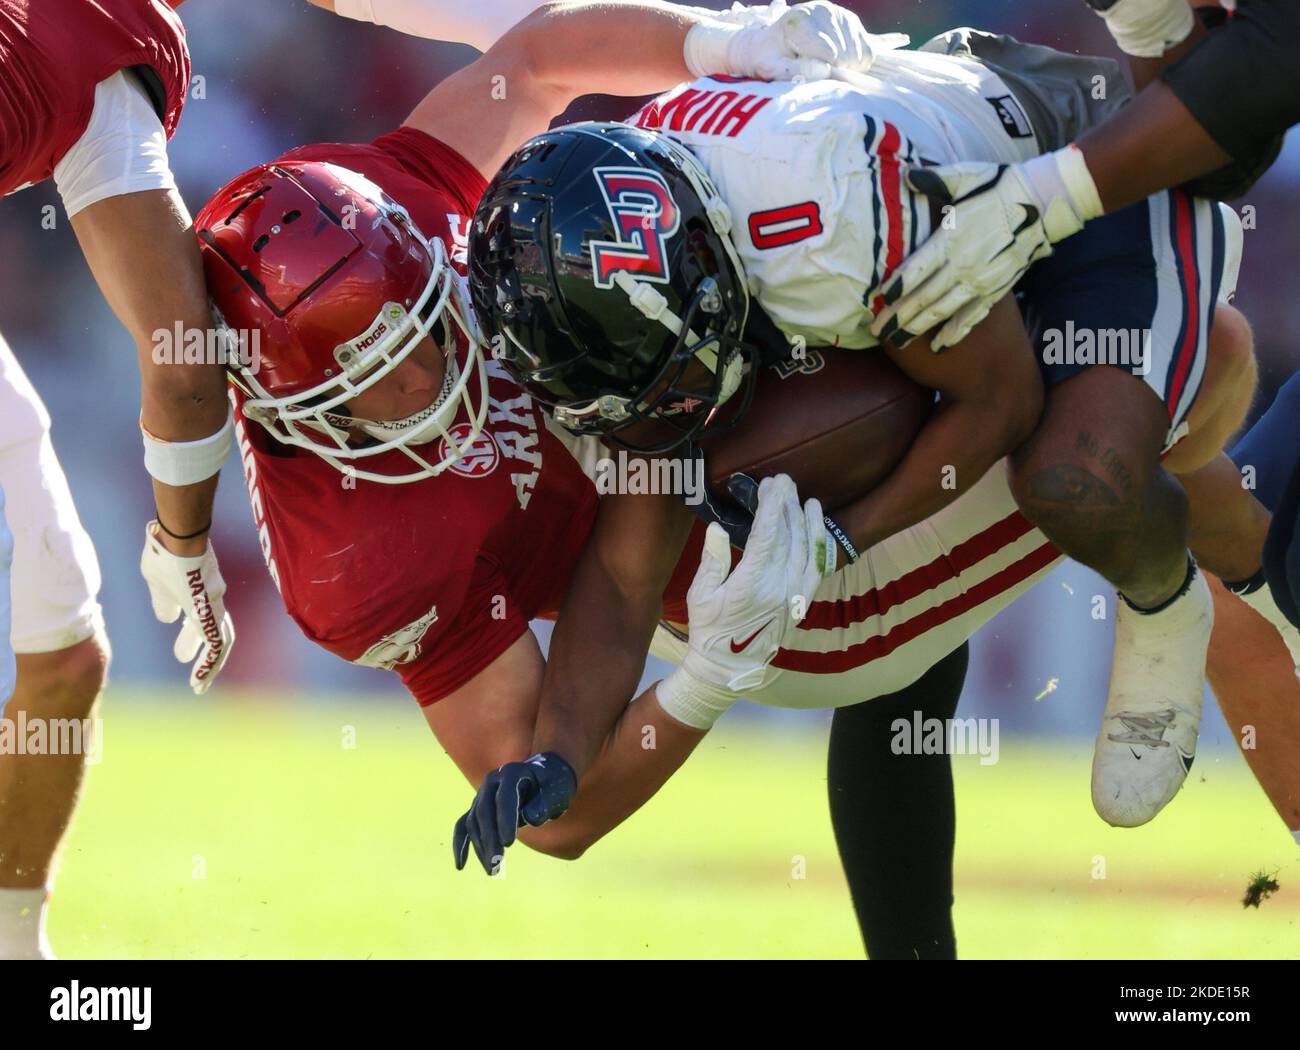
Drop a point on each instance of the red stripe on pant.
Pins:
(879, 646)
(828, 615)
(1185, 246)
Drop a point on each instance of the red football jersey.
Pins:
(54, 52)
(435, 578)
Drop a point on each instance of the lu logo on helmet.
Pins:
(645, 215)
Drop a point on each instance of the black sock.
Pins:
(1186, 586)
(895, 818)
(1247, 586)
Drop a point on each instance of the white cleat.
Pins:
(1153, 712)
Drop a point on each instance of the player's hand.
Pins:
(778, 42)
(739, 617)
(530, 792)
(997, 222)
(192, 588)
(985, 243)
(736, 513)
(820, 35)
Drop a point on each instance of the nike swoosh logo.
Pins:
(1031, 217)
(745, 644)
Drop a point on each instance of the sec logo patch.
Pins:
(480, 457)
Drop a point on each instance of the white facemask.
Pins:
(416, 429)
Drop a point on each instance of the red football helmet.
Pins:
(338, 286)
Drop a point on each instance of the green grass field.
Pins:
(248, 830)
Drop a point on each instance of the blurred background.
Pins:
(271, 76)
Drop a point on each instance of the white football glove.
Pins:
(997, 222)
(777, 42)
(194, 587)
(739, 617)
(1146, 28)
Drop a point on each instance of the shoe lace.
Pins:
(1146, 729)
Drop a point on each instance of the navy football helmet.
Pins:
(601, 270)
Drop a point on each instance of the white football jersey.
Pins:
(813, 173)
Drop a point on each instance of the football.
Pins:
(837, 421)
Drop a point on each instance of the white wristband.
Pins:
(1078, 180)
(692, 702)
(706, 46)
(1064, 185)
(1149, 28)
(479, 22)
(187, 462)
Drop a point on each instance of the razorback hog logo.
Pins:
(645, 216)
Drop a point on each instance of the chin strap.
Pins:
(652, 303)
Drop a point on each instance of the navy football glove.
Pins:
(735, 515)
(538, 789)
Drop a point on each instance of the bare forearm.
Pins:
(644, 750)
(142, 252)
(606, 622)
(185, 510)
(587, 29)
(1119, 155)
(596, 658)
(480, 24)
(954, 450)
(553, 56)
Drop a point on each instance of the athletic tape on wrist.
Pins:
(1073, 167)
(692, 702)
(187, 462)
(1065, 190)
(705, 50)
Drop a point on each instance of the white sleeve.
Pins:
(123, 149)
(478, 22)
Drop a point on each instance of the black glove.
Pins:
(538, 789)
(735, 514)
